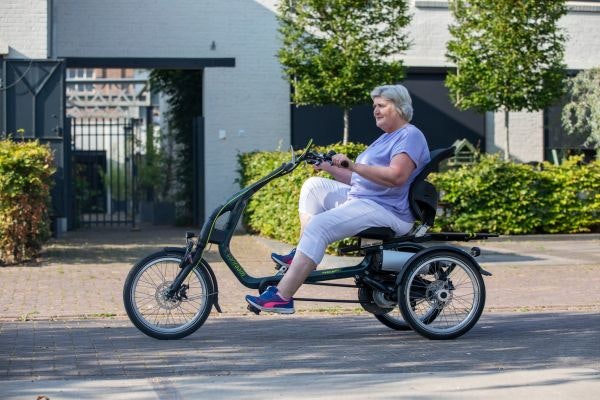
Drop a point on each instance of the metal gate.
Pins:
(104, 171)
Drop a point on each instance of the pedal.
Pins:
(253, 309)
(282, 270)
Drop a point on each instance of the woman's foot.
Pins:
(283, 260)
(271, 301)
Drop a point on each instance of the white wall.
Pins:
(23, 28)
(250, 102)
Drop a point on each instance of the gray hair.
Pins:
(398, 95)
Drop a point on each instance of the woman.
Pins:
(371, 192)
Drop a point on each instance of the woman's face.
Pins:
(386, 116)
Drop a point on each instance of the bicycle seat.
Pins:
(422, 197)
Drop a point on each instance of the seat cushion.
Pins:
(380, 233)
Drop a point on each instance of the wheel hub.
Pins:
(439, 291)
(164, 301)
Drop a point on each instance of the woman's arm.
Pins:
(396, 174)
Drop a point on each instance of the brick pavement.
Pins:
(82, 274)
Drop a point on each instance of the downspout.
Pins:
(49, 29)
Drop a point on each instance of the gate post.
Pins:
(198, 166)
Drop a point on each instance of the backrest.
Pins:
(422, 195)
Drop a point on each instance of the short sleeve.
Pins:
(414, 145)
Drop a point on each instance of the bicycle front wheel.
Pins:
(161, 316)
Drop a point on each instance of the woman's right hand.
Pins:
(321, 167)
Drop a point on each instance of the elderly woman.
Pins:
(370, 192)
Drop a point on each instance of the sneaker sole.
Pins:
(273, 310)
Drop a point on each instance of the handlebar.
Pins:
(317, 158)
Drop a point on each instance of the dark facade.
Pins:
(434, 114)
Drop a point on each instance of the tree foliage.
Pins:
(508, 54)
(184, 88)
(337, 51)
(581, 115)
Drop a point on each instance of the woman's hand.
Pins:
(338, 172)
(342, 161)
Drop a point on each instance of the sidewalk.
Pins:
(82, 274)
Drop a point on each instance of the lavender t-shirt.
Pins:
(408, 139)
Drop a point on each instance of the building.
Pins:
(246, 100)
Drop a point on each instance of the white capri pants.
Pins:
(335, 217)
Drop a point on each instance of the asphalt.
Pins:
(64, 333)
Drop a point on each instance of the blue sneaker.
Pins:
(270, 301)
(283, 260)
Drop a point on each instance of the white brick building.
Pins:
(247, 106)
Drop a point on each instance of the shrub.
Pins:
(507, 198)
(26, 170)
(573, 203)
(273, 211)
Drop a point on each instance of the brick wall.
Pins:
(24, 28)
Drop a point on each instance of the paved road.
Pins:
(63, 335)
(543, 355)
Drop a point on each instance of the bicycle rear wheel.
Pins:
(442, 295)
(156, 314)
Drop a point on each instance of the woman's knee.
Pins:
(320, 229)
(313, 183)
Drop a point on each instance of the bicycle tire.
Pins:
(157, 316)
(458, 297)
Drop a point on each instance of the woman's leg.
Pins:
(327, 227)
(296, 274)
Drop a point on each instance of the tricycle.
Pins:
(416, 281)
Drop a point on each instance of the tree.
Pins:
(508, 55)
(185, 102)
(337, 51)
(581, 114)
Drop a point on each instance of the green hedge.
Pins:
(273, 211)
(508, 198)
(491, 196)
(26, 170)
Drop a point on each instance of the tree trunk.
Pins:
(506, 135)
(346, 126)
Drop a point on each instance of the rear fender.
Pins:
(438, 248)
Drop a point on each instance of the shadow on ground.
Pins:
(296, 345)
